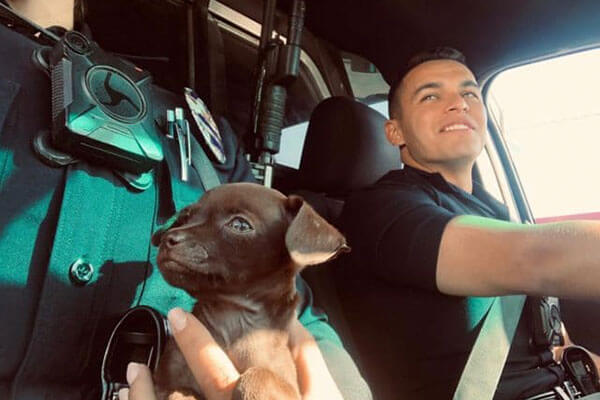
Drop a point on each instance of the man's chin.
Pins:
(466, 152)
(456, 161)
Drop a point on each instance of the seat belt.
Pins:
(486, 361)
(205, 169)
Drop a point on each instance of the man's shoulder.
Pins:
(15, 56)
(373, 208)
(14, 42)
(395, 186)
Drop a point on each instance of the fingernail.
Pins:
(132, 372)
(124, 394)
(177, 318)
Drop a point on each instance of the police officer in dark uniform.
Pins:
(75, 238)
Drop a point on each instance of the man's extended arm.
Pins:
(486, 257)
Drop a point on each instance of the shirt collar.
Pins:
(435, 179)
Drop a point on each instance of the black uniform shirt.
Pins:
(408, 332)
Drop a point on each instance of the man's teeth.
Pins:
(455, 127)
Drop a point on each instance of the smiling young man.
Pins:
(430, 245)
(438, 118)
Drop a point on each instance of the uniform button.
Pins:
(81, 272)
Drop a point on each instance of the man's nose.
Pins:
(458, 103)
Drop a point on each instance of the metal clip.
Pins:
(184, 137)
(170, 124)
(562, 394)
(188, 141)
(181, 139)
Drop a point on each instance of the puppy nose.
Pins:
(172, 239)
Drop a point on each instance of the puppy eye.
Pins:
(239, 224)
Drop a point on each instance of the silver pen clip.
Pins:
(170, 124)
(188, 141)
(180, 131)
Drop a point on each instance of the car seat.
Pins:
(345, 149)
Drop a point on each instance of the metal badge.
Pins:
(206, 124)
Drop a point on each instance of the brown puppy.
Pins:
(237, 251)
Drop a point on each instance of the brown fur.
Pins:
(244, 281)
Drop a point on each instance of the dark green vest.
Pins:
(52, 330)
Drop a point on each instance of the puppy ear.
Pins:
(310, 239)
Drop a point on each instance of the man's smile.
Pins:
(457, 126)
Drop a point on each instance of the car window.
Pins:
(488, 174)
(292, 143)
(368, 86)
(550, 117)
(364, 77)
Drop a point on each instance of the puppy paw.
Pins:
(179, 394)
(183, 395)
(258, 383)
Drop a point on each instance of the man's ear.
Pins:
(394, 133)
(310, 239)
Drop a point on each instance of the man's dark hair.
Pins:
(438, 53)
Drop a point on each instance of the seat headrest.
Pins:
(345, 147)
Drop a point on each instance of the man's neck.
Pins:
(458, 175)
(46, 13)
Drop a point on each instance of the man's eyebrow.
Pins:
(430, 85)
(437, 85)
(469, 83)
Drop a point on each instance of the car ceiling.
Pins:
(493, 34)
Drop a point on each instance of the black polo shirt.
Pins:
(414, 340)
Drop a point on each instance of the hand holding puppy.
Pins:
(216, 374)
(314, 379)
